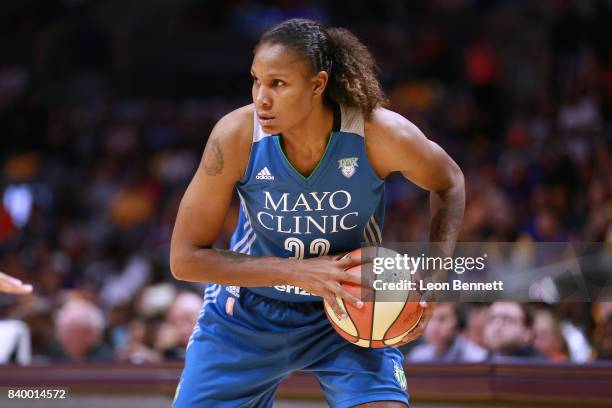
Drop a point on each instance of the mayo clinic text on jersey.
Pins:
(314, 201)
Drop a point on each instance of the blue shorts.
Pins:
(244, 345)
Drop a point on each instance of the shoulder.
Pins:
(389, 126)
(229, 143)
(388, 136)
(236, 126)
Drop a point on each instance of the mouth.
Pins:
(265, 120)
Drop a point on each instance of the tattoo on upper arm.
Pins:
(213, 158)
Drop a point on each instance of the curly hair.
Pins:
(349, 64)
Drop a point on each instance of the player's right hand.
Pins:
(8, 284)
(323, 276)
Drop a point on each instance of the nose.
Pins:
(262, 98)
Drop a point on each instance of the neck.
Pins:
(314, 129)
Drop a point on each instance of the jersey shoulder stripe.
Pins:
(258, 133)
(352, 120)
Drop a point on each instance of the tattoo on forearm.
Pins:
(447, 218)
(213, 158)
(234, 256)
(447, 210)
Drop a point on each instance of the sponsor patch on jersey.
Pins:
(296, 290)
(348, 166)
(229, 306)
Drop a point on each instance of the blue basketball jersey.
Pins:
(248, 339)
(333, 210)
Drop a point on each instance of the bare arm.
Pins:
(8, 284)
(395, 144)
(200, 218)
(203, 210)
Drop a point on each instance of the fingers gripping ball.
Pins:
(387, 316)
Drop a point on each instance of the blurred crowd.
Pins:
(105, 108)
(507, 330)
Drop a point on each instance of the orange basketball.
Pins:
(380, 322)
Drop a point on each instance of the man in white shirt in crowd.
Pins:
(14, 334)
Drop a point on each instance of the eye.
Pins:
(277, 82)
(255, 80)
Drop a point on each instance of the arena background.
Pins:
(105, 107)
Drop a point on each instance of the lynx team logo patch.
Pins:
(348, 166)
(400, 376)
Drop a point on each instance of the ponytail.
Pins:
(349, 64)
(353, 80)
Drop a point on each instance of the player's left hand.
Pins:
(428, 307)
(8, 284)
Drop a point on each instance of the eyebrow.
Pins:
(273, 75)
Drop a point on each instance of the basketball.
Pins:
(385, 319)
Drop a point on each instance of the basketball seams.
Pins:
(405, 332)
(351, 319)
(383, 318)
(395, 320)
(372, 318)
(333, 320)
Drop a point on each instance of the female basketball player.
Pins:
(8, 284)
(308, 159)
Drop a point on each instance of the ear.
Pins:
(319, 82)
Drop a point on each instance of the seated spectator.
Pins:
(548, 336)
(603, 330)
(135, 350)
(579, 349)
(576, 320)
(602, 311)
(509, 331)
(603, 340)
(15, 342)
(443, 341)
(475, 323)
(15, 339)
(174, 333)
(38, 316)
(79, 328)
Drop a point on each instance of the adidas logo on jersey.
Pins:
(234, 290)
(264, 174)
